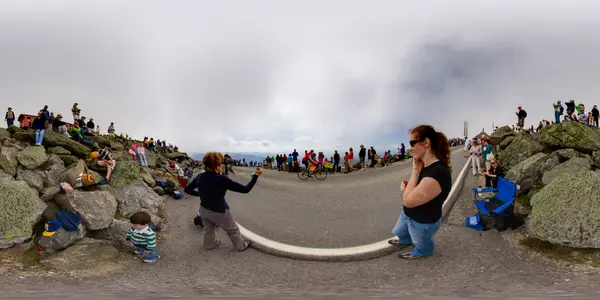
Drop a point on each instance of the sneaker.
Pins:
(151, 257)
(246, 245)
(105, 181)
(139, 251)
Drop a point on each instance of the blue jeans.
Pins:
(557, 117)
(39, 136)
(10, 122)
(410, 232)
(143, 161)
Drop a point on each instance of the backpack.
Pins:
(69, 219)
(79, 175)
(524, 113)
(562, 109)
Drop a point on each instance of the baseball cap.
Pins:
(52, 227)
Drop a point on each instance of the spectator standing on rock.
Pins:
(595, 115)
(39, 127)
(211, 187)
(46, 117)
(111, 129)
(558, 111)
(424, 193)
(10, 117)
(91, 126)
(76, 111)
(521, 115)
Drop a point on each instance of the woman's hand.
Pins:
(258, 172)
(417, 164)
(403, 185)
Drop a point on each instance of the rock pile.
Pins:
(30, 193)
(558, 170)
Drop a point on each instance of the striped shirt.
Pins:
(142, 238)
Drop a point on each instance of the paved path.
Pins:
(341, 211)
(467, 264)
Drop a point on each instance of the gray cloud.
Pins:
(271, 76)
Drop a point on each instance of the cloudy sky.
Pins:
(267, 76)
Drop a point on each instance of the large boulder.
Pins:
(68, 159)
(55, 167)
(96, 208)
(6, 176)
(55, 139)
(567, 211)
(20, 209)
(4, 134)
(527, 172)
(147, 177)
(151, 158)
(62, 239)
(521, 148)
(33, 178)
(32, 157)
(500, 134)
(506, 142)
(8, 160)
(571, 166)
(49, 193)
(570, 135)
(125, 173)
(566, 154)
(58, 151)
(176, 155)
(115, 233)
(596, 158)
(138, 197)
(85, 255)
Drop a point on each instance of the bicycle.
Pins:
(319, 173)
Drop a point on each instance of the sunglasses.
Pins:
(414, 142)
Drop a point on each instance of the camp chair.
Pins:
(504, 198)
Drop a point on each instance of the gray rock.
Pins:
(570, 135)
(62, 239)
(527, 172)
(521, 148)
(566, 154)
(8, 160)
(20, 209)
(49, 193)
(33, 178)
(506, 141)
(59, 151)
(571, 166)
(500, 134)
(522, 209)
(151, 158)
(6, 176)
(138, 197)
(68, 159)
(96, 208)
(124, 174)
(552, 160)
(115, 233)
(159, 190)
(147, 177)
(567, 211)
(82, 256)
(4, 134)
(54, 170)
(596, 158)
(32, 157)
(50, 211)
(117, 146)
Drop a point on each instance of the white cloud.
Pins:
(273, 76)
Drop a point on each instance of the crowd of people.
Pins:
(573, 113)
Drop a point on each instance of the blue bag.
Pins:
(69, 219)
(474, 222)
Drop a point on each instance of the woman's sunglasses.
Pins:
(414, 142)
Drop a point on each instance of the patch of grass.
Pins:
(523, 200)
(567, 254)
(118, 215)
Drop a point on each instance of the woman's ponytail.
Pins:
(442, 149)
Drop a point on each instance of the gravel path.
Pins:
(467, 264)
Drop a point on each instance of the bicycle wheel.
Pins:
(303, 175)
(320, 174)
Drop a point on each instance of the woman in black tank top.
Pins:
(425, 192)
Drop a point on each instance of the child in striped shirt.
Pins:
(142, 237)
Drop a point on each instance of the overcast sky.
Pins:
(274, 75)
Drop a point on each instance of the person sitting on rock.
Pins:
(60, 126)
(78, 134)
(38, 125)
(91, 126)
(211, 187)
(142, 155)
(142, 237)
(151, 145)
(492, 174)
(570, 115)
(105, 160)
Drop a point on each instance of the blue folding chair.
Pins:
(504, 198)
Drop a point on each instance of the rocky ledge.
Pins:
(558, 170)
(30, 193)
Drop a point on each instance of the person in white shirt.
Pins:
(476, 158)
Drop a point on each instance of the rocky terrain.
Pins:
(30, 195)
(558, 170)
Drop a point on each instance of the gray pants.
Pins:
(224, 220)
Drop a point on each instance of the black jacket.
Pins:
(336, 157)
